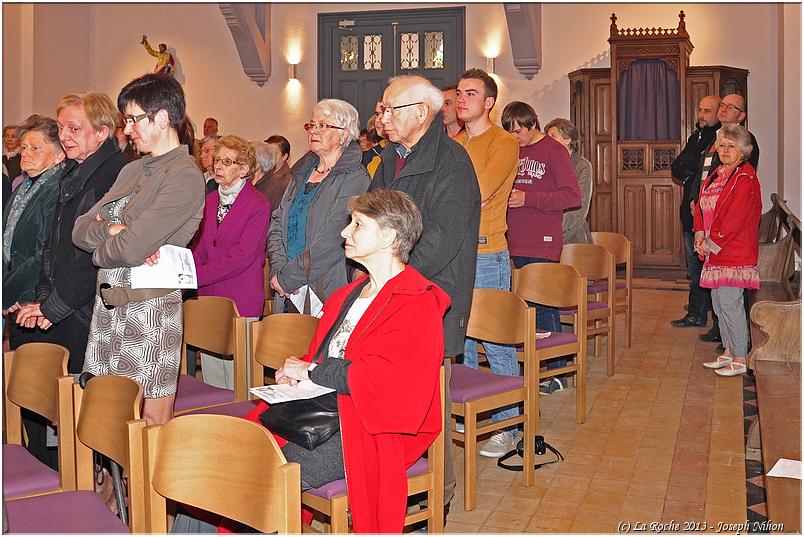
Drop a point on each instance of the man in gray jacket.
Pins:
(438, 174)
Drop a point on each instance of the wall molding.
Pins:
(525, 31)
(250, 25)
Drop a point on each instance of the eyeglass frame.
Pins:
(130, 121)
(393, 109)
(730, 106)
(215, 160)
(309, 126)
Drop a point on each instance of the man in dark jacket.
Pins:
(437, 173)
(687, 168)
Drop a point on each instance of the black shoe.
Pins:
(720, 349)
(711, 337)
(688, 321)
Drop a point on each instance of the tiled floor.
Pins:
(662, 443)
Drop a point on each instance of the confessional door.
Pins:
(360, 51)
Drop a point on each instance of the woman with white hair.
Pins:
(267, 180)
(726, 223)
(304, 243)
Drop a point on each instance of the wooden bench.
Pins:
(772, 221)
(779, 401)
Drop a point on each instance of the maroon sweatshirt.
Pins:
(548, 179)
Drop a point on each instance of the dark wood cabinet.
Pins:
(634, 192)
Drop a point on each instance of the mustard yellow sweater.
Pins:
(495, 156)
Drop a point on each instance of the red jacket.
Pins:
(393, 412)
(735, 228)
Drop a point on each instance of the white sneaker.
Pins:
(499, 444)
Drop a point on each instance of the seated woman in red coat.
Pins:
(380, 345)
(229, 250)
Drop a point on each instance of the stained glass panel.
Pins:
(409, 51)
(372, 52)
(349, 53)
(434, 50)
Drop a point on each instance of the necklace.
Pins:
(325, 170)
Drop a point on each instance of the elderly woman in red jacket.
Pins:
(379, 345)
(726, 224)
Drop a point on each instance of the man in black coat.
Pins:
(437, 173)
(687, 168)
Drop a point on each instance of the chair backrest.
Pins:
(499, 317)
(278, 337)
(103, 410)
(33, 372)
(616, 243)
(225, 465)
(551, 284)
(209, 324)
(590, 260)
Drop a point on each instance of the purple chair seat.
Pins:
(23, 474)
(601, 286)
(467, 384)
(591, 305)
(555, 339)
(192, 393)
(336, 488)
(80, 511)
(238, 409)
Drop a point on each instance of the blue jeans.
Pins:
(700, 301)
(547, 318)
(494, 272)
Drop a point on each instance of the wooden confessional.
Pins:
(634, 193)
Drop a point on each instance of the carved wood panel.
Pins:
(602, 108)
(662, 238)
(633, 216)
(601, 212)
(603, 164)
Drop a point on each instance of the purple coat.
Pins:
(229, 257)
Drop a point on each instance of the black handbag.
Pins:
(542, 448)
(305, 422)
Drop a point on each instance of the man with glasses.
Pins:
(438, 174)
(495, 156)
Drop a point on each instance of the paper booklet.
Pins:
(316, 307)
(786, 468)
(279, 393)
(174, 270)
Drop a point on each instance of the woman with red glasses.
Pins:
(304, 242)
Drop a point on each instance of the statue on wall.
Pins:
(164, 59)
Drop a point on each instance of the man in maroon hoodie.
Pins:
(545, 186)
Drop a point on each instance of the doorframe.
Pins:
(326, 21)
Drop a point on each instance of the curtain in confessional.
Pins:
(648, 102)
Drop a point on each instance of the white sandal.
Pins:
(733, 369)
(722, 361)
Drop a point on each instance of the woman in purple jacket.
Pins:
(229, 250)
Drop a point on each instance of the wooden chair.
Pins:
(619, 246)
(594, 262)
(108, 418)
(222, 464)
(559, 286)
(425, 476)
(504, 318)
(35, 378)
(212, 324)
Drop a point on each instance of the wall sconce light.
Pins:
(292, 71)
(490, 65)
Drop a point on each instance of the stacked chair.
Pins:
(619, 246)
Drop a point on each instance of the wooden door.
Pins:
(360, 51)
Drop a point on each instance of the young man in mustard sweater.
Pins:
(495, 156)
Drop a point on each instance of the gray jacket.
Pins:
(576, 229)
(166, 206)
(440, 178)
(326, 219)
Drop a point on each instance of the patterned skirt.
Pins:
(141, 340)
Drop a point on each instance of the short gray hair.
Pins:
(342, 114)
(206, 139)
(737, 134)
(567, 130)
(267, 155)
(421, 89)
(392, 209)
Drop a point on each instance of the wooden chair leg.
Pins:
(339, 516)
(529, 458)
(470, 458)
(610, 350)
(598, 338)
(580, 387)
(628, 312)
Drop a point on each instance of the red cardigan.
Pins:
(393, 412)
(735, 228)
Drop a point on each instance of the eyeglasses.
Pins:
(225, 161)
(392, 109)
(730, 107)
(321, 126)
(131, 120)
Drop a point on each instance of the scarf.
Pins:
(227, 197)
(22, 195)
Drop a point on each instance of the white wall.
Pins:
(574, 36)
